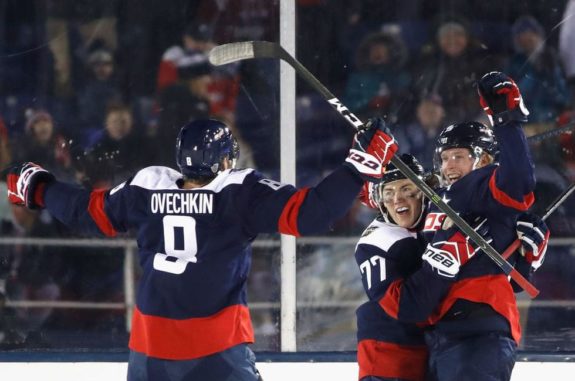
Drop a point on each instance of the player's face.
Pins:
(402, 199)
(456, 163)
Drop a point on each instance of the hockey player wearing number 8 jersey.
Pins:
(194, 229)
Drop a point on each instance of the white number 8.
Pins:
(175, 260)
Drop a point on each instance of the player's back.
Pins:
(194, 250)
(193, 247)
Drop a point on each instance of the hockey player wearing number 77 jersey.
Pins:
(389, 249)
(389, 253)
(389, 256)
(194, 229)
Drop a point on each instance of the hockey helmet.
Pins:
(392, 173)
(475, 136)
(201, 147)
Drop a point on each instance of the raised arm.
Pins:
(513, 182)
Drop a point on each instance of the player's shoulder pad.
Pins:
(384, 235)
(228, 177)
(156, 178)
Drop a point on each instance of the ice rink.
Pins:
(341, 371)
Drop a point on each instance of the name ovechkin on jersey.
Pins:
(182, 203)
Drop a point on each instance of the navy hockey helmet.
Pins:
(475, 136)
(393, 174)
(201, 147)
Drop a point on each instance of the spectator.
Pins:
(101, 89)
(419, 136)
(537, 71)
(43, 145)
(94, 21)
(380, 82)
(224, 85)
(118, 151)
(450, 67)
(182, 102)
(195, 39)
(240, 20)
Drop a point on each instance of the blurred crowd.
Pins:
(95, 90)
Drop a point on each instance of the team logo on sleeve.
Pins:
(368, 231)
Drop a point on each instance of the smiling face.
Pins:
(456, 163)
(403, 202)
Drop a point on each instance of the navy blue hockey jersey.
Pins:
(386, 254)
(194, 246)
(499, 193)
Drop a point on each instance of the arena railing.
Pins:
(129, 247)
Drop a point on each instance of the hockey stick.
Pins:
(228, 53)
(547, 134)
(550, 209)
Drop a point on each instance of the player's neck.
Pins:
(190, 184)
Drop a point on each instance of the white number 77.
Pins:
(175, 260)
(365, 267)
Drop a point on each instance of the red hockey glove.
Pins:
(500, 98)
(367, 195)
(534, 236)
(451, 249)
(26, 184)
(372, 149)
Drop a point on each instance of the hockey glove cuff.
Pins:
(501, 99)
(26, 183)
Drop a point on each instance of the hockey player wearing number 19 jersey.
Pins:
(475, 330)
(389, 256)
(194, 229)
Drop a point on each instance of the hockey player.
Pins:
(475, 330)
(389, 256)
(390, 249)
(194, 230)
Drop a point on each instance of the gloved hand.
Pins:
(534, 236)
(26, 182)
(451, 249)
(372, 149)
(500, 98)
(367, 195)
